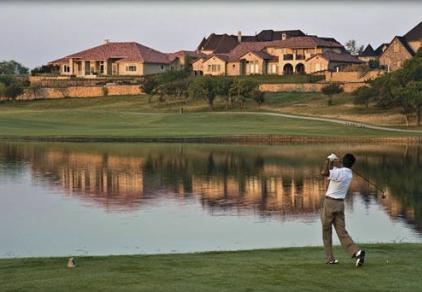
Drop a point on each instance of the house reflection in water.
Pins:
(109, 180)
(272, 183)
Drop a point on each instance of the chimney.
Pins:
(239, 36)
(106, 41)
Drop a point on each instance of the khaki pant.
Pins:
(332, 213)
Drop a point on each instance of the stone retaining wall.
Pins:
(78, 91)
(307, 87)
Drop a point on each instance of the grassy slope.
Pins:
(315, 104)
(390, 267)
(135, 116)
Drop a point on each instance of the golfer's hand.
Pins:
(332, 157)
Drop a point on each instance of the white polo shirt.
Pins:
(340, 179)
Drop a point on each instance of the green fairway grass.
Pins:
(136, 117)
(389, 267)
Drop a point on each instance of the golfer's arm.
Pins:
(326, 169)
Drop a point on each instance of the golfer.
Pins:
(332, 213)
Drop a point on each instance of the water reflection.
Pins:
(266, 181)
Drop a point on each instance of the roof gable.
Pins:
(415, 33)
(368, 52)
(403, 42)
(381, 48)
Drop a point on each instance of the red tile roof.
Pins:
(125, 51)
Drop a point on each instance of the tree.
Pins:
(331, 90)
(258, 96)
(203, 87)
(410, 100)
(363, 95)
(353, 48)
(242, 89)
(222, 89)
(12, 68)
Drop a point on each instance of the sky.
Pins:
(34, 33)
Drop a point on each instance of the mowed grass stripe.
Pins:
(389, 267)
(136, 117)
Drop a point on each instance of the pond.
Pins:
(61, 199)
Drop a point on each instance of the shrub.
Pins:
(331, 90)
(374, 64)
(46, 69)
(2, 89)
(13, 90)
(105, 90)
(148, 84)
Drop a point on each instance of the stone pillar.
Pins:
(82, 68)
(105, 68)
(71, 66)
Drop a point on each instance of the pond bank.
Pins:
(389, 267)
(237, 139)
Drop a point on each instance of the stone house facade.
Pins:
(121, 59)
(289, 55)
(402, 48)
(396, 53)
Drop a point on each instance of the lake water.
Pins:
(97, 199)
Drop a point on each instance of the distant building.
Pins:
(121, 59)
(270, 52)
(402, 48)
(368, 54)
(224, 43)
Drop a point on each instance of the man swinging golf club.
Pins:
(332, 212)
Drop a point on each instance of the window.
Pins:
(66, 68)
(131, 68)
(162, 67)
(395, 48)
(253, 67)
(101, 67)
(209, 68)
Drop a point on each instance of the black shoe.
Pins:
(332, 262)
(360, 258)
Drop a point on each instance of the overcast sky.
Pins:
(35, 33)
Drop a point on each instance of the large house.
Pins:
(121, 59)
(392, 55)
(270, 52)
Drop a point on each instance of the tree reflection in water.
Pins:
(263, 180)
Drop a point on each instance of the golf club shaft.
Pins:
(368, 181)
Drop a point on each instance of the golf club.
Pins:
(370, 182)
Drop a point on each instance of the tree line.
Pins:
(233, 90)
